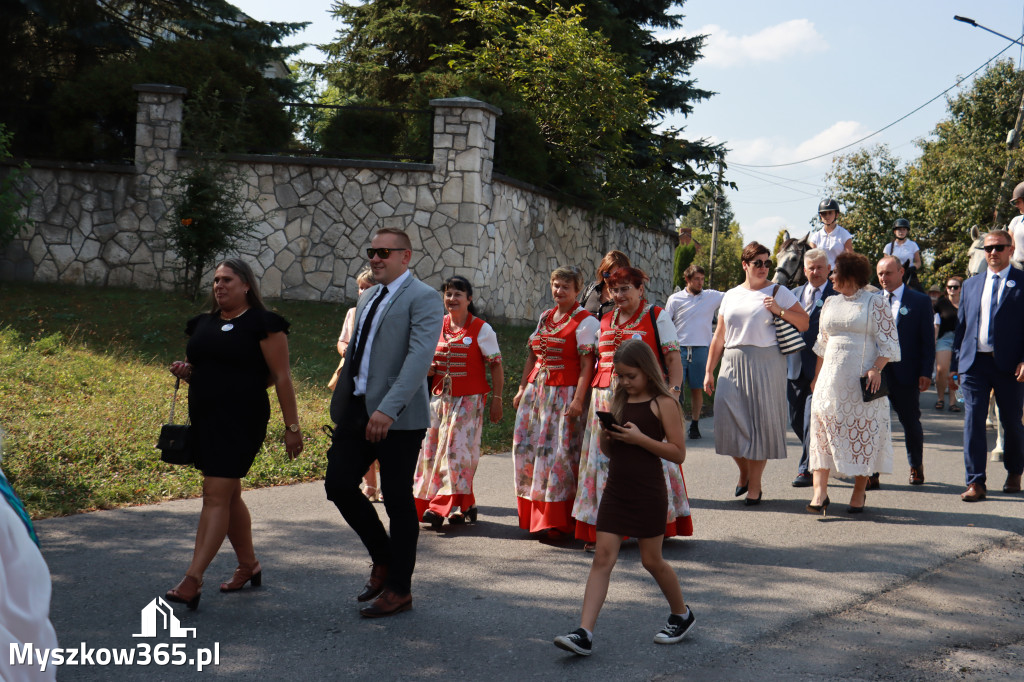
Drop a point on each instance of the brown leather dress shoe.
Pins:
(975, 493)
(375, 585)
(387, 604)
(873, 482)
(1012, 484)
(916, 475)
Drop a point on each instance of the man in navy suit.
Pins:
(800, 366)
(912, 375)
(988, 356)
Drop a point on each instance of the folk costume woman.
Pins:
(549, 410)
(632, 318)
(443, 484)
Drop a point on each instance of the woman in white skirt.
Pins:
(750, 406)
(857, 337)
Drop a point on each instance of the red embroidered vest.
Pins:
(556, 350)
(463, 363)
(640, 326)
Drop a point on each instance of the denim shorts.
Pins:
(695, 360)
(944, 342)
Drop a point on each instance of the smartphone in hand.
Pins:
(607, 420)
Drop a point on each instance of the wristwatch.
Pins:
(677, 389)
(294, 428)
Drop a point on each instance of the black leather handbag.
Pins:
(174, 443)
(868, 396)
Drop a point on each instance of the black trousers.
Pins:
(906, 401)
(798, 392)
(348, 458)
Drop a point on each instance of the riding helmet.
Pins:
(1018, 192)
(829, 204)
(901, 222)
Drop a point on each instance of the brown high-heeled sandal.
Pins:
(244, 574)
(187, 592)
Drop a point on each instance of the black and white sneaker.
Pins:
(676, 628)
(576, 641)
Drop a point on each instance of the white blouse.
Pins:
(747, 321)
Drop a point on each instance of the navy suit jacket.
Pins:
(808, 360)
(1008, 332)
(916, 330)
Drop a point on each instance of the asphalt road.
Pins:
(921, 586)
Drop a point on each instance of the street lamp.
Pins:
(1013, 136)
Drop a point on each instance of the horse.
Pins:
(789, 261)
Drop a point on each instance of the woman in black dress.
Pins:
(234, 353)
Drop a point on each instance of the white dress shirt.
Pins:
(894, 304)
(986, 304)
(364, 363)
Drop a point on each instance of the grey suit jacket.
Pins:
(403, 348)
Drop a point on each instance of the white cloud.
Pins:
(772, 150)
(771, 44)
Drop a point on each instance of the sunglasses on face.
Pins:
(761, 263)
(381, 253)
(953, 286)
(998, 248)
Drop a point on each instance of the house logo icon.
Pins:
(158, 616)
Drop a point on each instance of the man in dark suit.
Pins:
(381, 410)
(912, 375)
(800, 366)
(988, 356)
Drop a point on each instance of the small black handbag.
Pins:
(174, 443)
(868, 396)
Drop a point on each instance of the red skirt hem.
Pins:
(536, 515)
(680, 526)
(444, 504)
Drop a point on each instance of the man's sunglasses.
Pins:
(998, 248)
(381, 253)
(761, 263)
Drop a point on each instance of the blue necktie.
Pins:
(993, 304)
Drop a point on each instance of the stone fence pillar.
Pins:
(464, 161)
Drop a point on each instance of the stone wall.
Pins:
(104, 225)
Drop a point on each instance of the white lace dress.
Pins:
(848, 436)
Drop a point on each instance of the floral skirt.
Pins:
(449, 455)
(594, 475)
(546, 453)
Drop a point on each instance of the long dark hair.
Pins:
(460, 283)
(244, 272)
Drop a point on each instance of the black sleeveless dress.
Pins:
(227, 396)
(635, 500)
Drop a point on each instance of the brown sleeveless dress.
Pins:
(635, 500)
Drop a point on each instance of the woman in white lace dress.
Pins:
(857, 337)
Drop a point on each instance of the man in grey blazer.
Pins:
(381, 411)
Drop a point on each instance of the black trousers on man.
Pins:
(348, 458)
(906, 400)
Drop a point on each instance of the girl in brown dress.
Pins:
(648, 427)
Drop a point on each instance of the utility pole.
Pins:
(714, 226)
(1012, 142)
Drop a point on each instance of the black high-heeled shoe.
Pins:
(858, 510)
(471, 514)
(740, 489)
(433, 518)
(751, 502)
(819, 508)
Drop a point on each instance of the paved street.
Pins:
(921, 586)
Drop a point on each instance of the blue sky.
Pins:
(795, 79)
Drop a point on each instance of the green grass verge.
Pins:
(84, 388)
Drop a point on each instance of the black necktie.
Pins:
(364, 332)
(993, 304)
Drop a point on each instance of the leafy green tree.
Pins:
(12, 200)
(728, 269)
(700, 212)
(870, 185)
(206, 217)
(955, 182)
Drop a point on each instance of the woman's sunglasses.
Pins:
(953, 286)
(761, 263)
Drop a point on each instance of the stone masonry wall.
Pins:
(104, 225)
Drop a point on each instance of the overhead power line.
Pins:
(880, 130)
